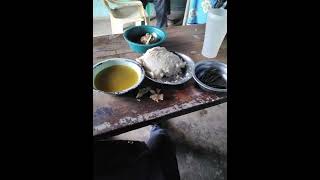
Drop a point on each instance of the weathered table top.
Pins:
(113, 115)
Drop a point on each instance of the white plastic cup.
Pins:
(216, 30)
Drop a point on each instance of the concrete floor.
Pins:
(201, 142)
(200, 137)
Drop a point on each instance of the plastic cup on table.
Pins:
(216, 29)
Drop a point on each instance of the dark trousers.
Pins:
(162, 8)
(121, 160)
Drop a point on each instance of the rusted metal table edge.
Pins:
(128, 120)
(108, 134)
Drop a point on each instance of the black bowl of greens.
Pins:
(211, 75)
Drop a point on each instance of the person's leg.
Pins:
(163, 150)
(162, 8)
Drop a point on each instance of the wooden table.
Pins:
(113, 115)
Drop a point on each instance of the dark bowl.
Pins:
(200, 68)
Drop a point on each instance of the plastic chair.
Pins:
(122, 12)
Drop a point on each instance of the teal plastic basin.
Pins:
(133, 35)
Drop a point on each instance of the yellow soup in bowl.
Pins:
(117, 75)
(116, 78)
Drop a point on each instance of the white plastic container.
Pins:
(216, 30)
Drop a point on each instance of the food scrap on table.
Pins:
(156, 96)
(142, 92)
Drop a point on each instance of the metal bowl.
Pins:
(119, 61)
(201, 66)
(186, 76)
